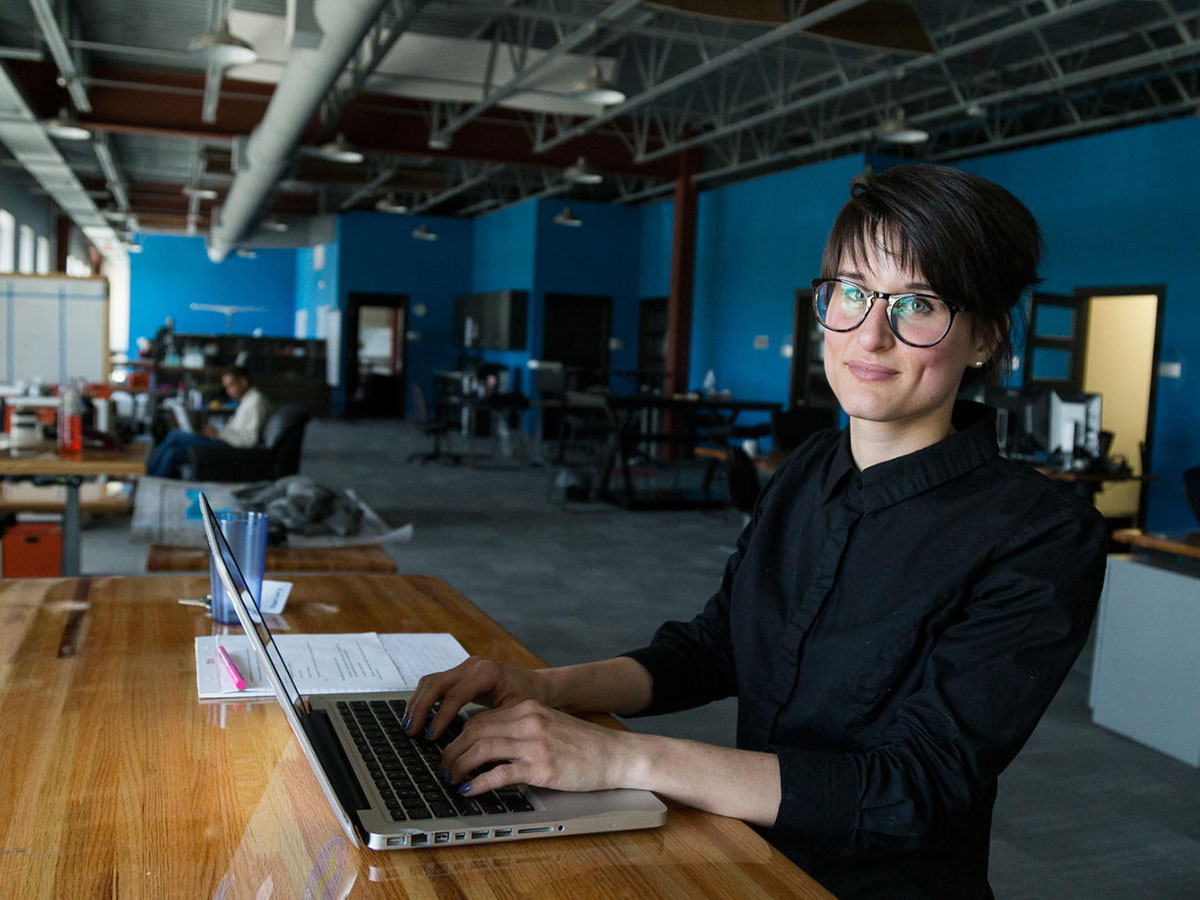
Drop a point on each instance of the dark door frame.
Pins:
(1082, 296)
(355, 300)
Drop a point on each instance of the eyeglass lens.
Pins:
(915, 318)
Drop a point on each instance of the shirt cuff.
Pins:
(668, 690)
(818, 796)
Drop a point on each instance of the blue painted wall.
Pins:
(757, 242)
(504, 258)
(316, 287)
(657, 230)
(175, 271)
(378, 253)
(1116, 210)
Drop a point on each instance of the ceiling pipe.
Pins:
(324, 36)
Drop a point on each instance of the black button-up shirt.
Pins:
(893, 635)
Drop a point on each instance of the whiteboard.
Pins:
(54, 328)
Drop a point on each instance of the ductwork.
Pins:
(323, 35)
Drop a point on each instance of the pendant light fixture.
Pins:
(582, 173)
(222, 47)
(597, 89)
(388, 204)
(423, 233)
(566, 218)
(341, 151)
(897, 130)
(66, 127)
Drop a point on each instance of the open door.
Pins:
(375, 327)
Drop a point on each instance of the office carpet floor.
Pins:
(1082, 813)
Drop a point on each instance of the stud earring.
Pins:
(979, 363)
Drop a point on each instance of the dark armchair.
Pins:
(277, 454)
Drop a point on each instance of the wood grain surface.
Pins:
(1179, 544)
(118, 782)
(361, 558)
(45, 461)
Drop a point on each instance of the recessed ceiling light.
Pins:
(597, 89)
(582, 173)
(896, 130)
(388, 204)
(340, 150)
(66, 127)
(222, 47)
(423, 233)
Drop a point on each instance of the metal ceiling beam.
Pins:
(884, 75)
(116, 184)
(391, 23)
(610, 14)
(712, 64)
(43, 10)
(465, 185)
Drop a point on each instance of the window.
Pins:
(43, 256)
(25, 254)
(8, 237)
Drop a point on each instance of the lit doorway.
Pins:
(375, 366)
(1119, 364)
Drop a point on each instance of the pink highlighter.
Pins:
(238, 681)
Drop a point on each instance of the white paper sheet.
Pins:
(419, 654)
(327, 663)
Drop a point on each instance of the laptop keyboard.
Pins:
(405, 769)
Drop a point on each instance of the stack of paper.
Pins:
(327, 663)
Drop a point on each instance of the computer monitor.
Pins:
(1074, 426)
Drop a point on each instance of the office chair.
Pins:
(276, 455)
(430, 427)
(743, 480)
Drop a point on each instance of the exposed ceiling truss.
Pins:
(466, 106)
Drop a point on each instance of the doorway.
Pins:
(375, 326)
(1105, 341)
(652, 344)
(575, 333)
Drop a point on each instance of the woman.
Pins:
(899, 611)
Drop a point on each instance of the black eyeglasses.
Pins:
(919, 320)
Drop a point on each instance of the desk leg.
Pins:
(71, 530)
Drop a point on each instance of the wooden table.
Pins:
(1178, 544)
(119, 782)
(45, 466)
(360, 558)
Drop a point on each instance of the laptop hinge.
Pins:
(324, 740)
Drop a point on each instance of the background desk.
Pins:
(45, 466)
(358, 558)
(120, 782)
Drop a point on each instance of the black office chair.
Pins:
(276, 455)
(430, 427)
(743, 480)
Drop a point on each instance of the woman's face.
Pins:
(878, 378)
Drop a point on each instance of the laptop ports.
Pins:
(442, 837)
(503, 832)
(479, 835)
(419, 840)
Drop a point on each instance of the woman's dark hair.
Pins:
(974, 242)
(240, 372)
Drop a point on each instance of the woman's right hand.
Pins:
(477, 680)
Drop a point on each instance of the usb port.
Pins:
(420, 840)
(395, 842)
(478, 835)
(460, 835)
(503, 832)
(442, 837)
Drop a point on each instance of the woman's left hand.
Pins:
(536, 745)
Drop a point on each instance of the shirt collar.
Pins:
(972, 444)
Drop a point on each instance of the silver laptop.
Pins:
(383, 786)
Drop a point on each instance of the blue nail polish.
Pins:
(447, 777)
(406, 722)
(465, 788)
(429, 732)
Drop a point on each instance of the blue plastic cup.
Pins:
(246, 533)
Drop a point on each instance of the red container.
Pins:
(32, 550)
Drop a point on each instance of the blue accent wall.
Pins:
(657, 230)
(379, 254)
(173, 272)
(316, 288)
(1119, 210)
(756, 243)
(504, 258)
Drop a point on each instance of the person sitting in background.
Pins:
(242, 430)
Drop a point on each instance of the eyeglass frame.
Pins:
(890, 299)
